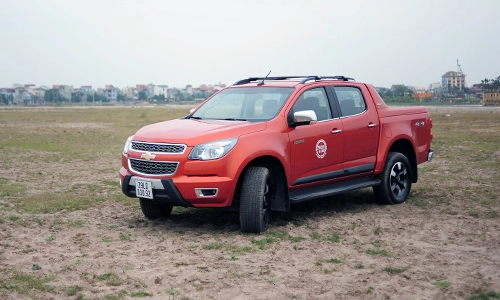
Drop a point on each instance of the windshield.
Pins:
(246, 104)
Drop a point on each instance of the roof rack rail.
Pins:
(304, 78)
(250, 79)
(343, 78)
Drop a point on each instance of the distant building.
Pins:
(110, 93)
(161, 89)
(62, 92)
(451, 80)
(219, 86)
(128, 92)
(491, 98)
(37, 94)
(395, 86)
(151, 91)
(8, 95)
(171, 92)
(140, 88)
(87, 89)
(476, 89)
(435, 88)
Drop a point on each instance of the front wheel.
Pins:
(255, 200)
(154, 210)
(395, 180)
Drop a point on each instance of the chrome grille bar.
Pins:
(158, 147)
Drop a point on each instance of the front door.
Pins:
(317, 149)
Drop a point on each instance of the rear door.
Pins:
(360, 127)
(316, 150)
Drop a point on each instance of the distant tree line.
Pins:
(7, 98)
(52, 96)
(398, 93)
(491, 85)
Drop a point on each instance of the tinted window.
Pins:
(315, 100)
(350, 99)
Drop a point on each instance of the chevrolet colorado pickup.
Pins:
(263, 144)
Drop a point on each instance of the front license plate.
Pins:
(143, 189)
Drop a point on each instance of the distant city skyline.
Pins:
(125, 43)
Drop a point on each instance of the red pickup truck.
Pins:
(263, 144)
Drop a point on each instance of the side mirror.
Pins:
(304, 117)
(191, 110)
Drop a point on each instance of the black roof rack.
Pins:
(304, 78)
(343, 78)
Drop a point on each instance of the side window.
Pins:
(350, 99)
(315, 100)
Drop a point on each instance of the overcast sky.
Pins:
(177, 43)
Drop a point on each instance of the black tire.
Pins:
(154, 210)
(396, 180)
(255, 200)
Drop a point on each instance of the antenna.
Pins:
(262, 82)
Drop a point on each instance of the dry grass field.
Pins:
(67, 232)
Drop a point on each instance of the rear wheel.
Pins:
(396, 182)
(154, 210)
(255, 200)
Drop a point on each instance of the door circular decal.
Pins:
(321, 148)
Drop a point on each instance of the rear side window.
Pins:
(350, 99)
(315, 100)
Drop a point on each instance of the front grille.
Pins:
(147, 167)
(162, 148)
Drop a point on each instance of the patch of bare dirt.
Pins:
(201, 254)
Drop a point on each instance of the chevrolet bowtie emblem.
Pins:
(148, 156)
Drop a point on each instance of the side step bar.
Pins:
(331, 189)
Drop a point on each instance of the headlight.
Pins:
(212, 150)
(127, 144)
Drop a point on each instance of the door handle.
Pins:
(371, 125)
(336, 131)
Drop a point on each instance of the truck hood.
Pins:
(194, 132)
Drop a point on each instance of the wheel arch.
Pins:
(280, 200)
(405, 147)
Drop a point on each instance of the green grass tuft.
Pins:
(14, 218)
(140, 294)
(381, 252)
(25, 283)
(72, 291)
(333, 260)
(441, 283)
(485, 296)
(392, 270)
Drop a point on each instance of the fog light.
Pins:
(206, 192)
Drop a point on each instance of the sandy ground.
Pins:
(180, 254)
(344, 247)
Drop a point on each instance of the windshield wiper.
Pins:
(193, 117)
(234, 119)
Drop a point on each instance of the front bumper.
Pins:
(186, 191)
(164, 191)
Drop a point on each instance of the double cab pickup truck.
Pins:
(263, 144)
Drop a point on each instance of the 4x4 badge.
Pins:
(321, 148)
(148, 156)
